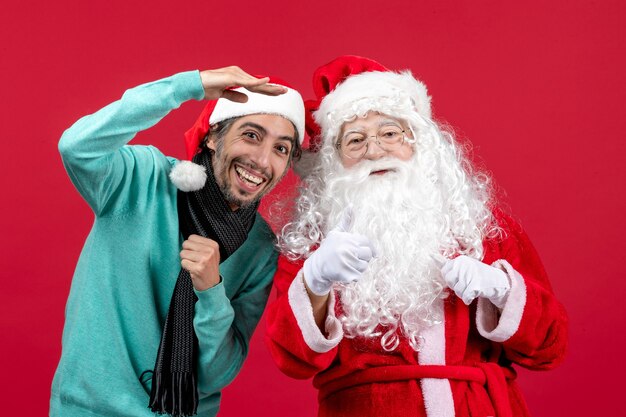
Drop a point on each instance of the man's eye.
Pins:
(282, 149)
(251, 135)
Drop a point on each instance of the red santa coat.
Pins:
(464, 367)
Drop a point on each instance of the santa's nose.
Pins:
(373, 150)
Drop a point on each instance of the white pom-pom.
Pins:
(188, 176)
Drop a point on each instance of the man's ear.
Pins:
(210, 141)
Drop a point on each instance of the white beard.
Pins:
(401, 213)
(432, 205)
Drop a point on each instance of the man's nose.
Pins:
(262, 155)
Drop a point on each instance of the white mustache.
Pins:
(364, 169)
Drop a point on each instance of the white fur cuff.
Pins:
(303, 311)
(497, 326)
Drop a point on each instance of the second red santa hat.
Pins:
(352, 86)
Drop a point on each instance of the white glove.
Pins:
(341, 257)
(470, 278)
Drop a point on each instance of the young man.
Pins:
(404, 290)
(130, 299)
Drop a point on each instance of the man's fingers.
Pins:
(237, 71)
(191, 255)
(249, 81)
(235, 96)
(252, 83)
(219, 83)
(268, 89)
(201, 239)
(188, 265)
(200, 244)
(198, 247)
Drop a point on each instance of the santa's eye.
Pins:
(354, 140)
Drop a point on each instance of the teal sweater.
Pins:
(126, 273)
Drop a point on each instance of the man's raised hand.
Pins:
(218, 82)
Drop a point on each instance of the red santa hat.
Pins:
(188, 176)
(352, 86)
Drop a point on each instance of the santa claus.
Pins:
(402, 288)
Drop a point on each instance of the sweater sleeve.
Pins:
(93, 150)
(533, 325)
(224, 326)
(297, 346)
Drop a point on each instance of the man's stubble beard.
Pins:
(221, 169)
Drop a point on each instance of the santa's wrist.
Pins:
(316, 299)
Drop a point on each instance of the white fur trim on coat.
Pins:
(500, 326)
(303, 311)
(437, 393)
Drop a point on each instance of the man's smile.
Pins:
(248, 179)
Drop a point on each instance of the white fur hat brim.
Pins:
(371, 91)
(288, 105)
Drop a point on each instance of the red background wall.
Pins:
(537, 86)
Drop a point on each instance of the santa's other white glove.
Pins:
(470, 278)
(341, 257)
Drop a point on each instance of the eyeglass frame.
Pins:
(367, 144)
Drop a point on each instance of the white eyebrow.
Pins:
(353, 131)
(389, 122)
(382, 123)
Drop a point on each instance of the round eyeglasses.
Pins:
(354, 145)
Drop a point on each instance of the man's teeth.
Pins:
(245, 174)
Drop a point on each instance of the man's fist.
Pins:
(201, 257)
